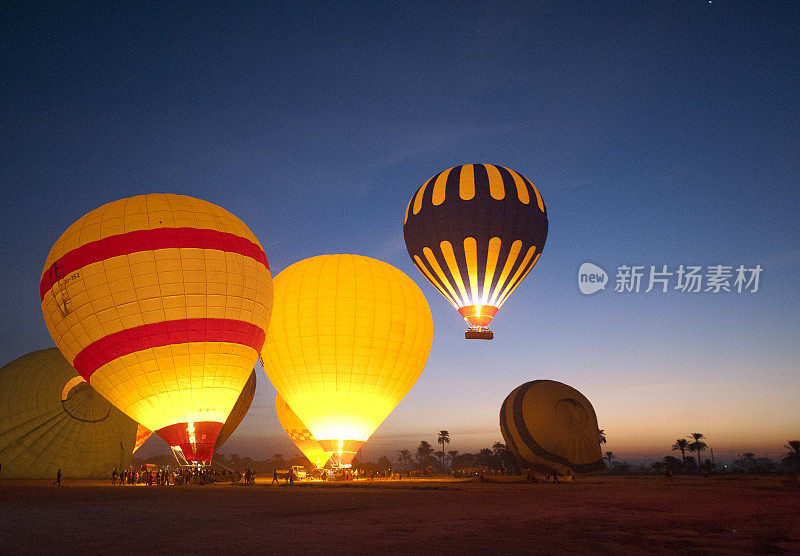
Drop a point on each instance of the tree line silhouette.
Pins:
(428, 460)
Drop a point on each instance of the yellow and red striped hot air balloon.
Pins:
(299, 434)
(162, 303)
(349, 337)
(234, 419)
(475, 232)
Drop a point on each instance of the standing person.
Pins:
(291, 476)
(114, 477)
(274, 477)
(58, 478)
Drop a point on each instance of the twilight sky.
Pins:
(657, 134)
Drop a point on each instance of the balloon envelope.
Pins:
(349, 337)
(161, 302)
(238, 412)
(475, 231)
(299, 434)
(235, 417)
(51, 419)
(142, 434)
(551, 427)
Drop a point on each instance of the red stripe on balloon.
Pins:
(165, 333)
(205, 435)
(148, 240)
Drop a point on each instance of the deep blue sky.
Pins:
(657, 133)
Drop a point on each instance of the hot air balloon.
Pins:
(238, 412)
(234, 419)
(51, 418)
(161, 302)
(299, 434)
(475, 231)
(551, 428)
(142, 434)
(349, 337)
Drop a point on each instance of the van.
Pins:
(299, 472)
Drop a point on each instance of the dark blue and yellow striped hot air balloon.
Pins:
(475, 231)
(551, 428)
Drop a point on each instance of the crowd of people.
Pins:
(151, 475)
(164, 477)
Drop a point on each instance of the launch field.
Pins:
(729, 514)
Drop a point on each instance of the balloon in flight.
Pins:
(51, 419)
(349, 337)
(299, 434)
(162, 303)
(551, 428)
(475, 232)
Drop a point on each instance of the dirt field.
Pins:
(598, 515)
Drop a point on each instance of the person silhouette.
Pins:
(274, 477)
(58, 478)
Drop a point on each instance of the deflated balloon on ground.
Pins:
(551, 428)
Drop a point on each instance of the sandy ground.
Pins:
(608, 515)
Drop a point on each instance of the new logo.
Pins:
(591, 278)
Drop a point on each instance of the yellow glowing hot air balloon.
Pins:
(299, 434)
(349, 338)
(234, 419)
(161, 302)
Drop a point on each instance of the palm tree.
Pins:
(681, 444)
(453, 454)
(444, 438)
(792, 458)
(485, 457)
(601, 436)
(498, 448)
(609, 456)
(404, 456)
(697, 446)
(424, 453)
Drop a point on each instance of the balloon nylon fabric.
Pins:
(51, 419)
(235, 417)
(237, 414)
(551, 427)
(162, 302)
(349, 337)
(299, 434)
(475, 231)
